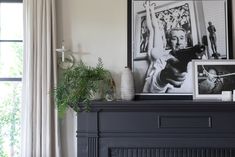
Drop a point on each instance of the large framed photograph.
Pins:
(212, 77)
(165, 35)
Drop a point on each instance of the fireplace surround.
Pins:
(160, 128)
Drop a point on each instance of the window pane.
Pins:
(11, 21)
(10, 100)
(11, 59)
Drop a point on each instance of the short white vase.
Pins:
(127, 85)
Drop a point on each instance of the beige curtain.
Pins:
(40, 136)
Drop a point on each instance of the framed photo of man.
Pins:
(213, 77)
(164, 36)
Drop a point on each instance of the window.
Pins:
(11, 68)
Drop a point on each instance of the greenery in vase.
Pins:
(78, 85)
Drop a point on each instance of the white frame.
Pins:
(215, 63)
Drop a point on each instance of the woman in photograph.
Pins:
(156, 41)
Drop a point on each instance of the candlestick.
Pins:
(62, 50)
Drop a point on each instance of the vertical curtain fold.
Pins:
(40, 133)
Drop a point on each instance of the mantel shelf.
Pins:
(161, 105)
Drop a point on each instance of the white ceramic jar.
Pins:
(127, 85)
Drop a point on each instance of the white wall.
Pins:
(99, 29)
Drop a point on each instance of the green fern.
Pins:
(78, 82)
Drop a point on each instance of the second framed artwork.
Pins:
(164, 36)
(213, 77)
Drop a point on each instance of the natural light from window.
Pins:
(11, 67)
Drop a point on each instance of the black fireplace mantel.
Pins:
(160, 128)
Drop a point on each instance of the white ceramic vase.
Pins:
(127, 85)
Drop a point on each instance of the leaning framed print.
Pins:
(165, 35)
(212, 77)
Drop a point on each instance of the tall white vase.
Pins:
(127, 85)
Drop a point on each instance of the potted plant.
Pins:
(79, 85)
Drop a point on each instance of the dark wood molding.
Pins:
(161, 105)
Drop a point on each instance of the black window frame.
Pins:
(11, 1)
(11, 79)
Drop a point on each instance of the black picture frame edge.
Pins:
(230, 27)
(129, 34)
(129, 52)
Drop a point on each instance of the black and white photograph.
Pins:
(167, 35)
(212, 77)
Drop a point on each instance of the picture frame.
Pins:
(191, 15)
(212, 77)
